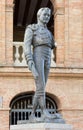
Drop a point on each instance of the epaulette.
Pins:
(33, 27)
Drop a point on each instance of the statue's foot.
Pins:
(59, 118)
(46, 115)
(56, 118)
(34, 119)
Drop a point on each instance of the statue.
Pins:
(40, 38)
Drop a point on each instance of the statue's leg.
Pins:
(40, 81)
(46, 69)
(35, 104)
(42, 103)
(40, 85)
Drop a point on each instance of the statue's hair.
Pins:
(40, 11)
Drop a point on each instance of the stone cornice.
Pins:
(59, 11)
(10, 5)
(54, 72)
(59, 7)
(70, 109)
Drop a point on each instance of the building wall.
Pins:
(69, 33)
(65, 82)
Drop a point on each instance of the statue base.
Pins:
(40, 120)
(41, 126)
(45, 118)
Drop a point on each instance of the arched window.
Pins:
(24, 14)
(21, 107)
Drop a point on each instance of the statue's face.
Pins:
(45, 16)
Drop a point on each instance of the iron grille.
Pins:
(21, 108)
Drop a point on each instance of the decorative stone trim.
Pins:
(59, 11)
(9, 7)
(59, 8)
(4, 109)
(58, 72)
(10, 2)
(69, 109)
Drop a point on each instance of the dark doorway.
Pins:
(25, 13)
(21, 107)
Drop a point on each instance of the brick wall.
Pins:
(69, 33)
(74, 33)
(4, 119)
(65, 88)
(65, 82)
(2, 32)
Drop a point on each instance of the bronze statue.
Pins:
(40, 38)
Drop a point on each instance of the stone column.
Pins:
(4, 119)
(2, 33)
(9, 33)
(74, 33)
(59, 31)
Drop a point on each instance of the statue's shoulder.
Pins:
(33, 27)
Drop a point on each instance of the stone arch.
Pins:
(14, 93)
(12, 1)
(15, 96)
(58, 95)
(22, 103)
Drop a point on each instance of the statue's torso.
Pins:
(41, 36)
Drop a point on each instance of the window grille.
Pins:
(21, 108)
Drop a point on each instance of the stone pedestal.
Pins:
(41, 126)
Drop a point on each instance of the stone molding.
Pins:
(59, 7)
(9, 5)
(5, 109)
(42, 126)
(54, 72)
(70, 109)
(59, 11)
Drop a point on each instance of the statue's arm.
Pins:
(28, 37)
(27, 44)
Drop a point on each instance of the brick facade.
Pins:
(65, 82)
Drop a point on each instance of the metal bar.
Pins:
(17, 116)
(14, 117)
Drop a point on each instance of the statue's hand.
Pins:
(31, 66)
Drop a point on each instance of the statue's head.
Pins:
(44, 15)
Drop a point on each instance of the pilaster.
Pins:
(74, 33)
(9, 33)
(59, 27)
(2, 32)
